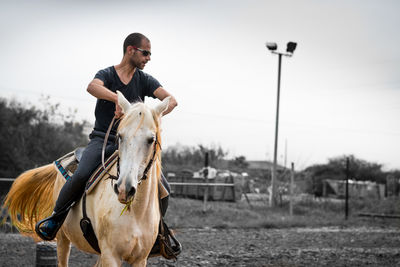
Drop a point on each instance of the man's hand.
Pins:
(97, 89)
(118, 111)
(161, 93)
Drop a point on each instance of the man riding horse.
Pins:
(128, 78)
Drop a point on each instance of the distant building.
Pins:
(262, 165)
(253, 165)
(361, 189)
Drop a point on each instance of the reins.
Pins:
(103, 151)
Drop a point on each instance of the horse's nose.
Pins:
(116, 189)
(131, 193)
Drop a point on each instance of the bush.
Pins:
(31, 137)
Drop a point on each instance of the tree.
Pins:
(361, 170)
(239, 164)
(336, 169)
(32, 137)
(178, 157)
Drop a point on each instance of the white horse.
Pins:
(128, 236)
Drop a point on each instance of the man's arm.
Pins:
(97, 89)
(161, 93)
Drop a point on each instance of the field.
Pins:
(232, 234)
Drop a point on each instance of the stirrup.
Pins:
(170, 247)
(166, 249)
(58, 219)
(173, 247)
(46, 237)
(166, 244)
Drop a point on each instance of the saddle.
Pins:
(166, 244)
(67, 165)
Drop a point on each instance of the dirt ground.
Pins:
(250, 247)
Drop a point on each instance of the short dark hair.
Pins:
(134, 39)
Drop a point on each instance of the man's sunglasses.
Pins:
(144, 52)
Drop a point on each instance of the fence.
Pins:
(225, 189)
(217, 188)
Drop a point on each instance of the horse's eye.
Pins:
(150, 140)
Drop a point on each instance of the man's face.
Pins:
(140, 55)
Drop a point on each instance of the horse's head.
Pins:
(139, 144)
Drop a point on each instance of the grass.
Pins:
(308, 212)
(188, 213)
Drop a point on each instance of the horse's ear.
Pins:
(122, 102)
(163, 106)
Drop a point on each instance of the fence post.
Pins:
(347, 188)
(291, 190)
(206, 181)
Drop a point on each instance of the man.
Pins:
(128, 78)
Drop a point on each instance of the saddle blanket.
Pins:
(67, 164)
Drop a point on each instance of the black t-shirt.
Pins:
(141, 85)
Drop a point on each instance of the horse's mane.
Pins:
(157, 121)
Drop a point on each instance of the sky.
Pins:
(340, 92)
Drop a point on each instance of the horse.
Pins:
(125, 216)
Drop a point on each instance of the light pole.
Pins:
(291, 46)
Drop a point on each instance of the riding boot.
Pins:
(170, 247)
(47, 228)
(71, 191)
(164, 205)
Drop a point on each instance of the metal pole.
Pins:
(272, 199)
(347, 189)
(291, 190)
(206, 181)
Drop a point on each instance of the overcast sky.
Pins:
(340, 92)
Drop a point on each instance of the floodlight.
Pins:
(291, 46)
(271, 46)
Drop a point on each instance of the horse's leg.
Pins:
(107, 258)
(63, 248)
(141, 263)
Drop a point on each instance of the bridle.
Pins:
(146, 170)
(149, 164)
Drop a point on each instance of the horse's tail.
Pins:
(30, 198)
